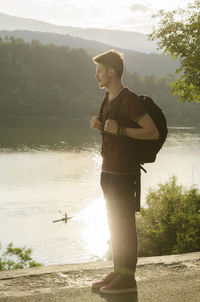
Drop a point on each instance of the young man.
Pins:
(120, 176)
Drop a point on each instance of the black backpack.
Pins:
(146, 150)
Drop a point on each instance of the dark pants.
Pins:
(120, 195)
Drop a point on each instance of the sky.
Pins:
(131, 15)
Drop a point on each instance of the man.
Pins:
(120, 169)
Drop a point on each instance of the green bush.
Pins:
(170, 224)
(16, 258)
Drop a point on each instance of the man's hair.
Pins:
(111, 59)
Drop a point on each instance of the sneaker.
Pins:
(106, 280)
(120, 285)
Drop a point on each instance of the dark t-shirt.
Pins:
(118, 151)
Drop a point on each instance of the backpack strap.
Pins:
(101, 111)
(143, 169)
(112, 113)
(101, 108)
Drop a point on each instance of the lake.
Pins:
(52, 169)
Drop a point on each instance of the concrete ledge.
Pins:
(165, 260)
(55, 283)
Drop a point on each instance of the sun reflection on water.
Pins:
(96, 231)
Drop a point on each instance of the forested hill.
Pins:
(48, 80)
(142, 63)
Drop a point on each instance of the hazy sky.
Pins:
(132, 15)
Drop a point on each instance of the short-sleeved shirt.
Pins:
(118, 151)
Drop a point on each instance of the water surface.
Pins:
(52, 169)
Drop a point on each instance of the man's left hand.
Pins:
(111, 126)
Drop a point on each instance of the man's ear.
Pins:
(111, 71)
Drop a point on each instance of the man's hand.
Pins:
(95, 123)
(111, 126)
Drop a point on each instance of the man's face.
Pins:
(102, 76)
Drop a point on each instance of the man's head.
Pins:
(109, 64)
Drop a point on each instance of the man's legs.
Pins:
(119, 191)
(120, 194)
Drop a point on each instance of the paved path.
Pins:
(160, 279)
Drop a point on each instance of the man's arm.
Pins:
(148, 129)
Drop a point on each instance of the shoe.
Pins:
(106, 280)
(120, 285)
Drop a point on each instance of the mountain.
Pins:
(116, 38)
(142, 63)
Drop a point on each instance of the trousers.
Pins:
(120, 194)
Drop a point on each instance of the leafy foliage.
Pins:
(170, 223)
(179, 36)
(16, 258)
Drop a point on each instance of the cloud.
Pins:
(140, 8)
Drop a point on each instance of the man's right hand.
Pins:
(95, 123)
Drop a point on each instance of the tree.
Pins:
(178, 35)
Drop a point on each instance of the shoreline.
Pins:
(48, 283)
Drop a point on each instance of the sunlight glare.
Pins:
(97, 160)
(96, 231)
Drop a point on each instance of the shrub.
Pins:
(170, 223)
(16, 258)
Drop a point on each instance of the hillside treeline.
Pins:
(48, 80)
(140, 62)
(40, 80)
